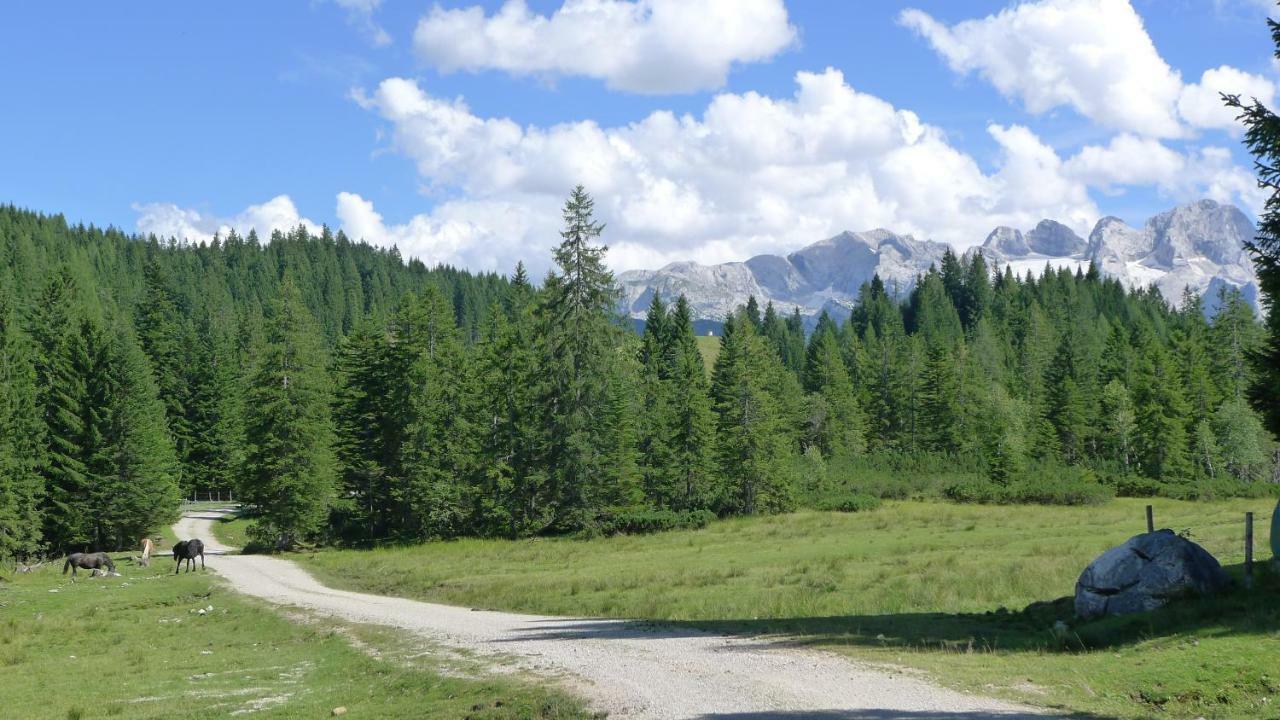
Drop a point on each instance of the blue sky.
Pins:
(188, 119)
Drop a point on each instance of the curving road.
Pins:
(632, 670)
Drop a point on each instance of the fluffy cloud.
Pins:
(1094, 56)
(166, 220)
(1201, 103)
(1199, 172)
(752, 174)
(644, 46)
(360, 15)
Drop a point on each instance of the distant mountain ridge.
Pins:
(1199, 245)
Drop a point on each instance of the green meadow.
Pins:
(137, 647)
(970, 594)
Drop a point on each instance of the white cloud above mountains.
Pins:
(1093, 56)
(642, 46)
(752, 173)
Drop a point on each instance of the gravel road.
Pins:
(632, 670)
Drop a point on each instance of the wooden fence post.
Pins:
(1248, 550)
(1151, 520)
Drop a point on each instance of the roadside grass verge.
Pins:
(969, 593)
(231, 530)
(136, 647)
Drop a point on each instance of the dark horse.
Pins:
(88, 561)
(188, 550)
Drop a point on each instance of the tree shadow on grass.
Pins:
(1040, 627)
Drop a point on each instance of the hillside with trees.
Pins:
(350, 397)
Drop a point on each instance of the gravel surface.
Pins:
(632, 670)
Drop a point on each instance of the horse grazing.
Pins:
(188, 550)
(147, 547)
(89, 561)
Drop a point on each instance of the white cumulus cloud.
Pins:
(752, 174)
(643, 46)
(166, 220)
(1094, 56)
(1201, 103)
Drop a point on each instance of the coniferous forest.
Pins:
(350, 397)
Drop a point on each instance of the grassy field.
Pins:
(136, 647)
(709, 346)
(230, 531)
(970, 594)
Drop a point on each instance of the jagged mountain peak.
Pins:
(1197, 245)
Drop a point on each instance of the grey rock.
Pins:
(1144, 573)
(1053, 239)
(1007, 241)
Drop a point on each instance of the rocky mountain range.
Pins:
(1199, 245)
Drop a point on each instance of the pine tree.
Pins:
(582, 342)
(657, 354)
(21, 440)
(517, 493)
(940, 407)
(441, 448)
(161, 335)
(213, 404)
(752, 449)
(132, 460)
(289, 476)
(1162, 412)
(836, 423)
(368, 435)
(60, 364)
(693, 435)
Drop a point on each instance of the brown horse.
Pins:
(89, 561)
(188, 550)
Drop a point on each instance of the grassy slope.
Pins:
(131, 647)
(709, 346)
(913, 583)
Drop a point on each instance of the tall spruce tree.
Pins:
(442, 442)
(21, 440)
(693, 430)
(132, 461)
(161, 334)
(60, 367)
(752, 448)
(289, 476)
(517, 497)
(582, 344)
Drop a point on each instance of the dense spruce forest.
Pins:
(350, 397)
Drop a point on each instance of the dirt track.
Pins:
(630, 669)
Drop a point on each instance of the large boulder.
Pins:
(1145, 573)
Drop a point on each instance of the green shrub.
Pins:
(1040, 484)
(857, 502)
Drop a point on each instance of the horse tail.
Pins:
(66, 565)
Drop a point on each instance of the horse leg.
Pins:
(202, 565)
